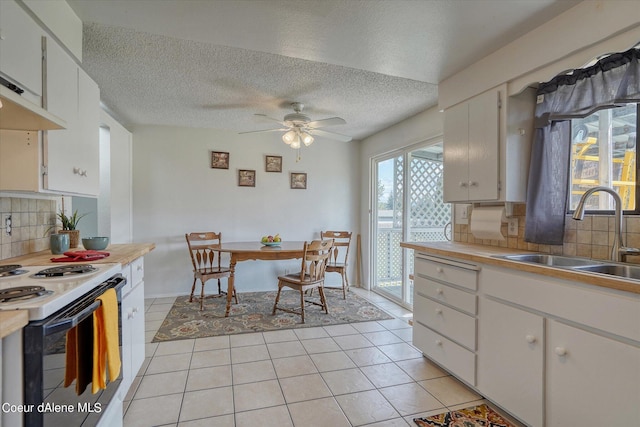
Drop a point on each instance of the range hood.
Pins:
(18, 113)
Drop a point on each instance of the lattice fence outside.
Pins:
(428, 216)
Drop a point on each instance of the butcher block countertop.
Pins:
(485, 255)
(12, 321)
(119, 253)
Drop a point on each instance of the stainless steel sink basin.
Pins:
(550, 260)
(585, 265)
(623, 271)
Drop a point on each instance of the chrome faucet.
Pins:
(618, 250)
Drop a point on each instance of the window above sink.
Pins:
(604, 153)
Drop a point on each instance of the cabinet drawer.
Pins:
(137, 271)
(460, 361)
(450, 273)
(451, 323)
(461, 300)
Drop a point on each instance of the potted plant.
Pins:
(69, 225)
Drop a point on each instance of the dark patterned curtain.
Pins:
(612, 81)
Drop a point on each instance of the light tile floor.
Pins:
(344, 375)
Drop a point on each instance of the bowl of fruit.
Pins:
(271, 240)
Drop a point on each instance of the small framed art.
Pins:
(246, 178)
(299, 180)
(219, 160)
(273, 164)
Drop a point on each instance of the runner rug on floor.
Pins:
(253, 314)
(478, 416)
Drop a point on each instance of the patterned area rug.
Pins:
(253, 314)
(469, 417)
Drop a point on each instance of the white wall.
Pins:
(116, 201)
(421, 128)
(175, 191)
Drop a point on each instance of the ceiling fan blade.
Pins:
(332, 135)
(264, 130)
(264, 116)
(326, 122)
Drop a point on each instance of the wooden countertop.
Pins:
(12, 321)
(485, 255)
(119, 253)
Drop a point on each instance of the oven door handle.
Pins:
(70, 322)
(81, 309)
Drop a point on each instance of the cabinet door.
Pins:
(127, 375)
(61, 151)
(20, 47)
(472, 149)
(484, 146)
(137, 328)
(456, 154)
(133, 347)
(591, 380)
(73, 154)
(510, 359)
(87, 180)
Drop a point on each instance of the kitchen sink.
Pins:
(624, 271)
(550, 260)
(585, 265)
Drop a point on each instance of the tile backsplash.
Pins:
(29, 225)
(590, 238)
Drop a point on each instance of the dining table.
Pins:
(245, 251)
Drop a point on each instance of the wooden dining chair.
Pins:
(339, 255)
(311, 276)
(205, 257)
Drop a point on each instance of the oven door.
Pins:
(44, 365)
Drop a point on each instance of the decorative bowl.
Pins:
(95, 243)
(271, 243)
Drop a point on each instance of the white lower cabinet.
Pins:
(133, 346)
(511, 359)
(591, 380)
(558, 353)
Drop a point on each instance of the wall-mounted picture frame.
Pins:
(299, 180)
(273, 163)
(246, 178)
(220, 160)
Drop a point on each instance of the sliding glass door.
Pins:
(407, 207)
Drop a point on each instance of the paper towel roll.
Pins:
(486, 222)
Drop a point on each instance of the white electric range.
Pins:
(43, 290)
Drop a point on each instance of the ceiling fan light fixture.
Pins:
(307, 139)
(295, 144)
(289, 137)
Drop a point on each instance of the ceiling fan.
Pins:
(299, 128)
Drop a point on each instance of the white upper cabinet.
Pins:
(486, 147)
(72, 155)
(20, 48)
(471, 136)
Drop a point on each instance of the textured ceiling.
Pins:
(215, 63)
